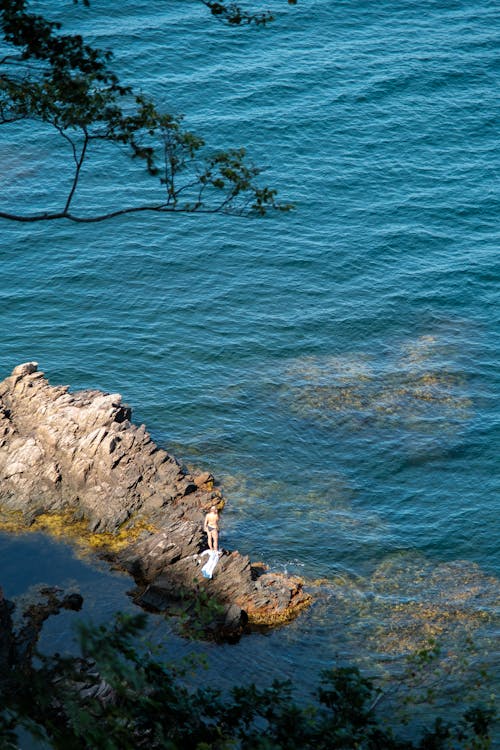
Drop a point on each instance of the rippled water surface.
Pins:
(336, 367)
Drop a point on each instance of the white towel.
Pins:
(213, 558)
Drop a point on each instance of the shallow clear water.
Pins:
(335, 368)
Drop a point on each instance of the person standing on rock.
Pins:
(211, 527)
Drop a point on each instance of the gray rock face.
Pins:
(78, 454)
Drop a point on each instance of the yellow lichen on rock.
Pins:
(12, 521)
(269, 618)
(64, 526)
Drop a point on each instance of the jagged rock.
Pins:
(17, 644)
(234, 617)
(205, 479)
(79, 454)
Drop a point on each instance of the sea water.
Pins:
(334, 367)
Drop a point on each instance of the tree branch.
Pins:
(63, 82)
(78, 165)
(154, 208)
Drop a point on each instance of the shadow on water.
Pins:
(377, 621)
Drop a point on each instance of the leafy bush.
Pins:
(119, 696)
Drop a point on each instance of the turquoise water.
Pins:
(336, 367)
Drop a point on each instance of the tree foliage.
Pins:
(119, 696)
(49, 77)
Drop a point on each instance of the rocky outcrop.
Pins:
(17, 644)
(78, 458)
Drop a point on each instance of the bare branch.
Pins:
(78, 166)
(154, 208)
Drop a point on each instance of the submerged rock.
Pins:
(18, 643)
(76, 461)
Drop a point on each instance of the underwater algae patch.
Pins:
(64, 526)
(423, 631)
(411, 385)
(409, 601)
(417, 602)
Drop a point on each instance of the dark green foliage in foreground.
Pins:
(120, 697)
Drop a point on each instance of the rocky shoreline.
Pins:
(77, 462)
